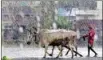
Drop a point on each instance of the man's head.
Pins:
(90, 27)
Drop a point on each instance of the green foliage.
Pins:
(47, 22)
(63, 22)
(5, 58)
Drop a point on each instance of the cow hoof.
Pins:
(72, 57)
(60, 55)
(81, 56)
(50, 55)
(75, 54)
(66, 54)
(57, 57)
(87, 56)
(44, 57)
(28, 42)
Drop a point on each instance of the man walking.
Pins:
(90, 35)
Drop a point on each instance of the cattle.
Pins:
(63, 43)
(59, 37)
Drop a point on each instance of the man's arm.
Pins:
(86, 35)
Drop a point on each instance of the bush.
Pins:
(5, 58)
(63, 22)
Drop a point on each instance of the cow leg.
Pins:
(52, 51)
(76, 51)
(72, 52)
(45, 51)
(60, 53)
(70, 49)
(67, 51)
(61, 49)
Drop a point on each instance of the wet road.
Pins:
(18, 53)
(86, 58)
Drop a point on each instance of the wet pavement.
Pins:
(86, 58)
(24, 53)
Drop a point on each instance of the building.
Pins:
(94, 17)
(16, 13)
(90, 14)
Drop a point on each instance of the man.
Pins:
(35, 34)
(90, 35)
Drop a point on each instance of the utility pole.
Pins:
(55, 15)
(38, 23)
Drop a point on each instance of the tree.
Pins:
(63, 22)
(47, 14)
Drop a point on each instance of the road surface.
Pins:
(17, 53)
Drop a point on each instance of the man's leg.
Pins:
(93, 51)
(88, 51)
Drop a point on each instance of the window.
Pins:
(5, 17)
(27, 16)
(18, 17)
(7, 26)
